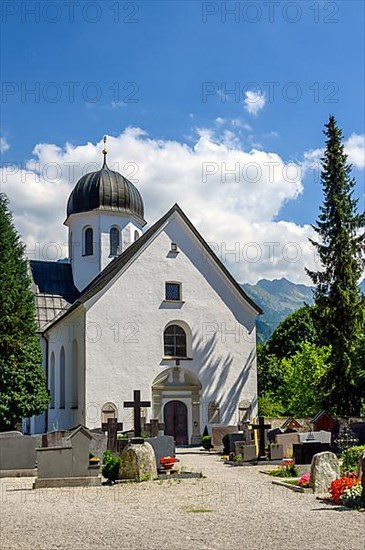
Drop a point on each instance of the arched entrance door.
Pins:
(176, 421)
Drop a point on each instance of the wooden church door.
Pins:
(176, 421)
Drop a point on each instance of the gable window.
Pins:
(173, 291)
(88, 242)
(114, 239)
(174, 341)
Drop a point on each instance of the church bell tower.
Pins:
(105, 214)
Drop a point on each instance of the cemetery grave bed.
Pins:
(290, 483)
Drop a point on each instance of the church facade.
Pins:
(149, 309)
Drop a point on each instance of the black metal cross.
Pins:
(137, 404)
(261, 427)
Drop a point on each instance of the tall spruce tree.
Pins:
(23, 390)
(340, 306)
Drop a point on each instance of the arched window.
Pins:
(136, 235)
(109, 410)
(88, 242)
(114, 240)
(175, 341)
(62, 378)
(214, 413)
(74, 376)
(52, 385)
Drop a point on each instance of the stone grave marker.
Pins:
(153, 428)
(233, 438)
(67, 465)
(138, 461)
(287, 440)
(325, 468)
(112, 427)
(18, 453)
(163, 445)
(322, 436)
(218, 432)
(248, 452)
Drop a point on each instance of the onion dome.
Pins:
(106, 190)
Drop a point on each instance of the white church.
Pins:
(150, 309)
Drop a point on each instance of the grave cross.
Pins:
(137, 404)
(261, 427)
(112, 427)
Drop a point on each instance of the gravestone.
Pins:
(163, 445)
(112, 427)
(218, 432)
(55, 438)
(98, 444)
(153, 428)
(233, 438)
(276, 451)
(304, 452)
(271, 434)
(137, 405)
(18, 453)
(325, 468)
(248, 452)
(321, 436)
(291, 424)
(324, 421)
(67, 465)
(138, 461)
(262, 430)
(287, 441)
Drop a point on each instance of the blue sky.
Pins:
(161, 55)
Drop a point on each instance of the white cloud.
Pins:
(232, 196)
(254, 102)
(355, 148)
(4, 145)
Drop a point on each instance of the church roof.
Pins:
(108, 190)
(113, 268)
(53, 288)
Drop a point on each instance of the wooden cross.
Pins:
(261, 427)
(137, 405)
(112, 427)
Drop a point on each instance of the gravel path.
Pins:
(233, 507)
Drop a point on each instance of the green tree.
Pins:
(304, 372)
(296, 328)
(339, 304)
(23, 390)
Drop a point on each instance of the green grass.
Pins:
(198, 510)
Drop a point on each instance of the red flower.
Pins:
(338, 486)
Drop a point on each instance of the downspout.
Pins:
(47, 381)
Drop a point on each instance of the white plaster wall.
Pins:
(124, 338)
(38, 423)
(86, 268)
(63, 334)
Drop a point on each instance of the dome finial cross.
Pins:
(105, 152)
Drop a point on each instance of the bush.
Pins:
(287, 470)
(351, 457)
(338, 487)
(207, 442)
(111, 464)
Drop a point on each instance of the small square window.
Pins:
(173, 291)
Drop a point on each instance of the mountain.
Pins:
(277, 299)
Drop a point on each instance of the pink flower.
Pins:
(304, 480)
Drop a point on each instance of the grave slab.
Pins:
(325, 468)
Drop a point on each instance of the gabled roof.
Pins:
(54, 289)
(113, 268)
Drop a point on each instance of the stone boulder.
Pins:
(325, 468)
(138, 462)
